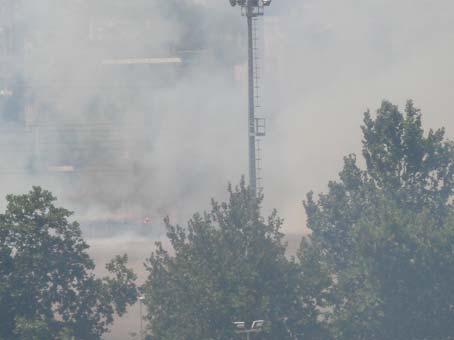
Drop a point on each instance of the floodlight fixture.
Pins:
(240, 324)
(256, 327)
(257, 324)
(250, 3)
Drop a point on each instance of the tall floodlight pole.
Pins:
(141, 299)
(252, 9)
(251, 103)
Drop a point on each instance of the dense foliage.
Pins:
(385, 234)
(228, 265)
(47, 288)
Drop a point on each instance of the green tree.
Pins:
(46, 280)
(228, 265)
(383, 233)
(399, 285)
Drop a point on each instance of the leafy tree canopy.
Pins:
(46, 280)
(228, 265)
(384, 234)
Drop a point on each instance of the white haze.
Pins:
(327, 61)
(337, 59)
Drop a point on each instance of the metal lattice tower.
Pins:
(252, 10)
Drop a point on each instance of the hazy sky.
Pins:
(338, 58)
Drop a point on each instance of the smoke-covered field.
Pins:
(138, 249)
(124, 142)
